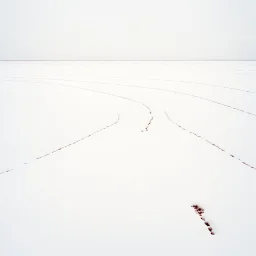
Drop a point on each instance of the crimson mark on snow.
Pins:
(200, 212)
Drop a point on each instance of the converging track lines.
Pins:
(211, 143)
(70, 144)
(94, 91)
(157, 89)
(170, 80)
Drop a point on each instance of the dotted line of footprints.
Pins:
(200, 212)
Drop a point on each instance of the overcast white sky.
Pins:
(134, 29)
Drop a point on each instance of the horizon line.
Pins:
(132, 60)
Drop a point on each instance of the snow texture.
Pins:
(107, 158)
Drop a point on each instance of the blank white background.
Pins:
(127, 30)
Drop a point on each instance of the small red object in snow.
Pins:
(200, 212)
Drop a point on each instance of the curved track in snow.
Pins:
(192, 82)
(95, 91)
(167, 80)
(211, 143)
(158, 89)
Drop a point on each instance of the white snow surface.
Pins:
(122, 191)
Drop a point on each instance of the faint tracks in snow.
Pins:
(135, 101)
(157, 89)
(194, 82)
(166, 80)
(149, 123)
(70, 144)
(209, 142)
(94, 91)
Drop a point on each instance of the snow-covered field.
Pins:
(106, 158)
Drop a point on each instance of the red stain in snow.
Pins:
(200, 211)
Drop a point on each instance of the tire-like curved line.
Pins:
(191, 82)
(177, 92)
(209, 142)
(95, 91)
(160, 89)
(170, 80)
(69, 145)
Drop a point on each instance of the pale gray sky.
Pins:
(134, 29)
